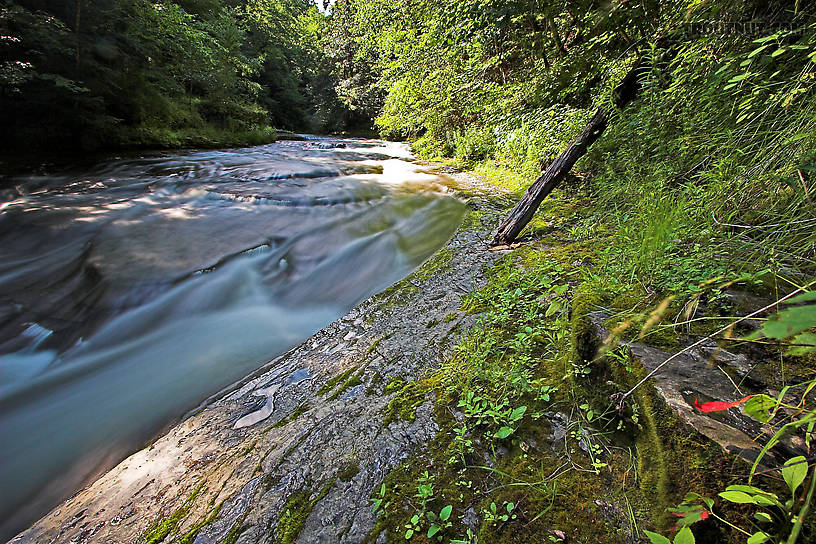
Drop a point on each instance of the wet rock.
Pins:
(704, 373)
(283, 431)
(470, 519)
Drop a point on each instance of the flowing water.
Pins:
(132, 291)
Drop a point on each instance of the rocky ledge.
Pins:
(294, 453)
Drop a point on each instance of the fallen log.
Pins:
(560, 167)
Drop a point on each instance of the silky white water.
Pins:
(132, 291)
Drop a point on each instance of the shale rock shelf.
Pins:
(294, 453)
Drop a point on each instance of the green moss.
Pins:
(341, 378)
(348, 384)
(405, 403)
(269, 479)
(394, 384)
(299, 411)
(350, 471)
(584, 342)
(246, 451)
(295, 511)
(161, 528)
(376, 381)
(235, 531)
(395, 296)
(441, 260)
(474, 219)
(190, 535)
(373, 347)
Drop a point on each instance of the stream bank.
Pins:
(370, 431)
(315, 418)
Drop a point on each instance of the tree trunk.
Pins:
(78, 12)
(560, 167)
(554, 31)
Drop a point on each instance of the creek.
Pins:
(133, 290)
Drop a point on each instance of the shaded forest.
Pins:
(110, 74)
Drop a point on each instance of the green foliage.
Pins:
(683, 536)
(109, 73)
(794, 324)
(425, 516)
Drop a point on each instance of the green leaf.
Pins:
(790, 322)
(794, 473)
(656, 538)
(810, 295)
(518, 413)
(433, 530)
(684, 536)
(445, 513)
(747, 489)
(510, 507)
(767, 38)
(758, 538)
(763, 516)
(738, 497)
(778, 52)
(408, 534)
(764, 500)
(757, 51)
(760, 407)
(504, 432)
(804, 343)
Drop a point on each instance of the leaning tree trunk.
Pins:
(560, 167)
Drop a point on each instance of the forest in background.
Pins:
(108, 74)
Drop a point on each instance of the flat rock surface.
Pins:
(231, 468)
(707, 373)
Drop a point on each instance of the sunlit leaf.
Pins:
(758, 538)
(794, 473)
(656, 538)
(684, 536)
(790, 322)
(738, 497)
(760, 407)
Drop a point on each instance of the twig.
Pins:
(765, 226)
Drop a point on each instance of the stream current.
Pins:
(132, 291)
